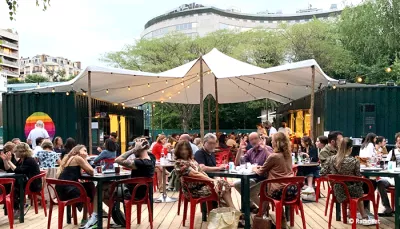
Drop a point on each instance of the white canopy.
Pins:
(237, 82)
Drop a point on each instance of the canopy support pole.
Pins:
(312, 102)
(152, 121)
(90, 113)
(216, 106)
(201, 99)
(209, 114)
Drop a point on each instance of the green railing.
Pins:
(197, 131)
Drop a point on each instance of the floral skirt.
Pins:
(291, 193)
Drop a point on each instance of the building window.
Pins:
(185, 26)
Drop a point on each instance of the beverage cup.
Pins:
(117, 169)
(99, 169)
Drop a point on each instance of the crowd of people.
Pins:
(270, 151)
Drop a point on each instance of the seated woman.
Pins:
(185, 165)
(278, 165)
(70, 169)
(47, 158)
(308, 151)
(222, 142)
(343, 164)
(110, 152)
(25, 165)
(8, 150)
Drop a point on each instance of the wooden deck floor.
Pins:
(165, 216)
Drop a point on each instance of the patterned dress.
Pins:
(198, 190)
(350, 166)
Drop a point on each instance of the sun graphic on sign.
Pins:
(48, 123)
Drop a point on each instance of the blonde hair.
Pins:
(8, 147)
(344, 150)
(282, 144)
(23, 149)
(74, 151)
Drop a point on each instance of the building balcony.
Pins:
(13, 64)
(8, 54)
(8, 44)
(9, 73)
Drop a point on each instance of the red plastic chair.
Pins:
(194, 201)
(180, 199)
(295, 169)
(295, 203)
(138, 182)
(391, 191)
(221, 156)
(83, 198)
(8, 199)
(318, 181)
(340, 180)
(34, 195)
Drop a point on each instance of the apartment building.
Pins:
(9, 53)
(49, 66)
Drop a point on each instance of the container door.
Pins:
(368, 117)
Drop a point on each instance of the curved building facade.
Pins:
(198, 20)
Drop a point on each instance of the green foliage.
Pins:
(13, 5)
(14, 81)
(363, 41)
(35, 78)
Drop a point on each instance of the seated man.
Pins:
(142, 166)
(206, 155)
(386, 182)
(186, 137)
(256, 155)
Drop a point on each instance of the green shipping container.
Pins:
(355, 111)
(65, 116)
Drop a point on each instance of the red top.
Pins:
(158, 148)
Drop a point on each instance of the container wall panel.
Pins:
(18, 107)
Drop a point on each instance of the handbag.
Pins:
(260, 222)
(224, 218)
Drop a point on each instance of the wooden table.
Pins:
(244, 189)
(101, 178)
(396, 176)
(164, 197)
(20, 181)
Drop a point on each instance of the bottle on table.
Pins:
(162, 158)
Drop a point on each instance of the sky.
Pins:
(83, 30)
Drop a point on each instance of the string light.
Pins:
(123, 104)
(179, 92)
(188, 86)
(359, 79)
(334, 86)
(154, 105)
(388, 69)
(198, 80)
(115, 104)
(162, 91)
(143, 98)
(170, 97)
(182, 83)
(148, 85)
(83, 93)
(162, 101)
(123, 108)
(107, 91)
(129, 88)
(67, 93)
(53, 90)
(166, 82)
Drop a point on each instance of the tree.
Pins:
(14, 81)
(35, 78)
(13, 5)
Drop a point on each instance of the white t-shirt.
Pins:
(272, 131)
(287, 131)
(368, 151)
(389, 156)
(37, 133)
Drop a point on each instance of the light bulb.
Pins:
(84, 93)
(143, 98)
(53, 90)
(198, 80)
(388, 69)
(162, 101)
(129, 88)
(179, 92)
(123, 104)
(148, 85)
(166, 81)
(182, 83)
(170, 97)
(359, 79)
(123, 108)
(107, 91)
(188, 86)
(334, 86)
(162, 91)
(67, 93)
